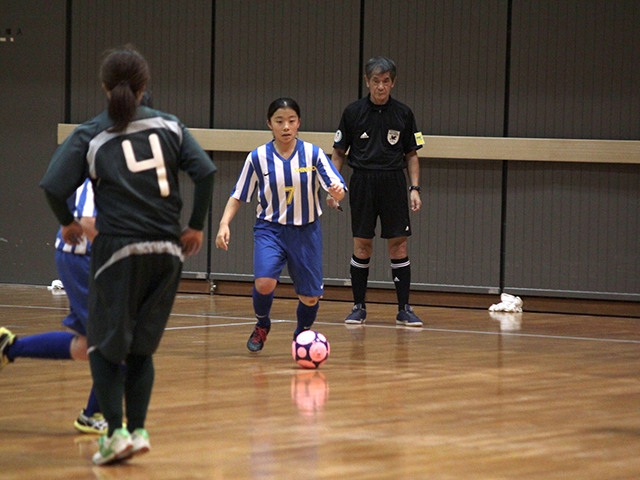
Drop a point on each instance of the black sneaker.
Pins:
(257, 338)
(357, 316)
(407, 318)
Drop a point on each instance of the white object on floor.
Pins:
(57, 288)
(509, 322)
(508, 303)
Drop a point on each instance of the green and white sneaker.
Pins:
(140, 440)
(114, 448)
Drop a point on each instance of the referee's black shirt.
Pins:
(377, 136)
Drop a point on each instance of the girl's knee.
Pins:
(265, 286)
(309, 301)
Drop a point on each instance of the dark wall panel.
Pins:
(237, 262)
(572, 230)
(457, 241)
(270, 49)
(451, 60)
(174, 37)
(32, 59)
(575, 69)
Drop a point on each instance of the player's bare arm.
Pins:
(339, 158)
(413, 169)
(224, 234)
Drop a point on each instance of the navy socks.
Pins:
(262, 307)
(52, 345)
(306, 316)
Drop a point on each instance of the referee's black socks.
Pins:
(401, 273)
(359, 270)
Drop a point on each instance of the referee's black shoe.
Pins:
(408, 318)
(357, 316)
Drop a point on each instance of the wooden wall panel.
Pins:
(450, 57)
(458, 235)
(265, 50)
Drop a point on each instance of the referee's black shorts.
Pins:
(379, 193)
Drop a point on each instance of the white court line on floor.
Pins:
(439, 330)
(251, 321)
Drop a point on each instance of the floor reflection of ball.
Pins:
(310, 349)
(309, 391)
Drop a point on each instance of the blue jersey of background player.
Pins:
(73, 265)
(286, 174)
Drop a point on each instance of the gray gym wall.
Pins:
(520, 68)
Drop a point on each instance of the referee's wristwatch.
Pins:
(414, 187)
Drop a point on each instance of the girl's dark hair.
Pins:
(124, 73)
(282, 103)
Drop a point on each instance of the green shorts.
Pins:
(132, 288)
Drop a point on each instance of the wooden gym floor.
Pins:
(469, 396)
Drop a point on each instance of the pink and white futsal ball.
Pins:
(310, 349)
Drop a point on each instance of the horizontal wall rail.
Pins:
(470, 148)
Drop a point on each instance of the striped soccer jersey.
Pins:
(82, 205)
(287, 188)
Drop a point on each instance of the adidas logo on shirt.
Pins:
(364, 135)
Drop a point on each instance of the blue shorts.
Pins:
(297, 247)
(73, 271)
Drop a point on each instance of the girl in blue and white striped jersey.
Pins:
(73, 266)
(286, 174)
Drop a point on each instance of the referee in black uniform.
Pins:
(381, 137)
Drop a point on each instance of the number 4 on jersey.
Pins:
(157, 162)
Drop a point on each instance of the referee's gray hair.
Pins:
(379, 65)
